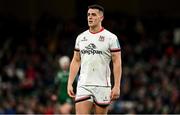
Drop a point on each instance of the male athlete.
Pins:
(93, 52)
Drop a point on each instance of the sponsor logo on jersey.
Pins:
(84, 39)
(91, 49)
(91, 46)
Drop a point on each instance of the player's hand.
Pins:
(115, 93)
(70, 91)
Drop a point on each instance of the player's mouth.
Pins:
(90, 22)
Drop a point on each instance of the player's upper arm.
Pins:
(76, 56)
(116, 57)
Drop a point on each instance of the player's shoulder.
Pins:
(109, 34)
(83, 33)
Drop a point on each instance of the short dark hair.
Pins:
(96, 6)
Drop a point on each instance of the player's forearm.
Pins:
(117, 70)
(74, 68)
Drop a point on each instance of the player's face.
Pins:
(94, 17)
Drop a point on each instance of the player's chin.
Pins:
(90, 24)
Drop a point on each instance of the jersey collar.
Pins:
(97, 31)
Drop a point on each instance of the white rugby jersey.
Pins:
(95, 51)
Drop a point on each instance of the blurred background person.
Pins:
(61, 79)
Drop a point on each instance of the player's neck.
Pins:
(96, 29)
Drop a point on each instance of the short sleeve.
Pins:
(77, 44)
(114, 44)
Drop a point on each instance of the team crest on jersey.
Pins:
(84, 39)
(101, 38)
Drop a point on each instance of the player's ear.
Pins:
(102, 17)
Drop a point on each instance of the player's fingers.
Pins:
(112, 95)
(71, 93)
(115, 97)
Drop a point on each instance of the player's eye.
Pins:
(93, 14)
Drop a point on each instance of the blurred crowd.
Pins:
(33, 80)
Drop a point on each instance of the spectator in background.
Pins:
(61, 79)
